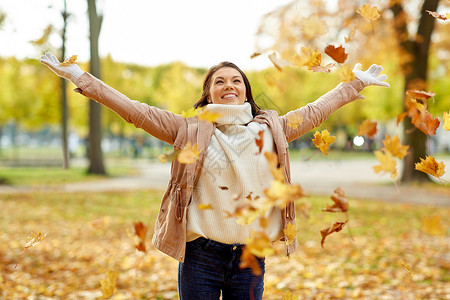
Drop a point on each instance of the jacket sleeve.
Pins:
(162, 124)
(317, 112)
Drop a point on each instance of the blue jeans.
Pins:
(211, 268)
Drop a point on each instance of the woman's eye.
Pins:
(219, 81)
(237, 80)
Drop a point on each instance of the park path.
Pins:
(356, 177)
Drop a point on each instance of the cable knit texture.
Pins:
(225, 176)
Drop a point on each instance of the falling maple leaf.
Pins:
(205, 114)
(370, 13)
(420, 94)
(338, 54)
(280, 193)
(401, 116)
(350, 35)
(387, 164)
(325, 69)
(432, 225)
(446, 117)
(69, 61)
(169, 156)
(140, 232)
(248, 260)
(109, 283)
(34, 239)
(368, 128)
(259, 244)
(393, 146)
(346, 73)
(436, 15)
(327, 231)
(191, 112)
(290, 232)
(260, 141)
(340, 202)
(278, 62)
(255, 54)
(407, 267)
(204, 206)
(189, 154)
(323, 140)
(308, 57)
(294, 119)
(426, 123)
(276, 171)
(431, 166)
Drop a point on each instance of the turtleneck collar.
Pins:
(236, 114)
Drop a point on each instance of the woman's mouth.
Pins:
(229, 96)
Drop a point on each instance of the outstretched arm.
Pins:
(162, 124)
(317, 112)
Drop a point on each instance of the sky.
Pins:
(200, 33)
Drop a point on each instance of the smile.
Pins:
(229, 96)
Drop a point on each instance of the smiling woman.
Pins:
(239, 155)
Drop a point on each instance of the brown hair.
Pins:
(207, 85)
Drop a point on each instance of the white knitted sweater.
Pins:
(233, 167)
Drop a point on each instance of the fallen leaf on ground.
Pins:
(109, 283)
(432, 225)
(327, 231)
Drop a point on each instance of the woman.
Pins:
(230, 168)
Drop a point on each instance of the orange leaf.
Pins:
(189, 154)
(340, 202)
(323, 140)
(69, 61)
(260, 141)
(431, 166)
(400, 117)
(368, 128)
(369, 13)
(422, 95)
(426, 123)
(387, 164)
(446, 120)
(326, 69)
(394, 146)
(248, 260)
(338, 54)
(436, 15)
(327, 231)
(140, 231)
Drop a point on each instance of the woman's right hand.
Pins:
(71, 72)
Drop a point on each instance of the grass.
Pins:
(88, 233)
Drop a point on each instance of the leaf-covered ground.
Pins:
(386, 251)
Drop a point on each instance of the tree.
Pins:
(64, 107)
(96, 165)
(400, 40)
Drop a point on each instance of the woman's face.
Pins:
(227, 87)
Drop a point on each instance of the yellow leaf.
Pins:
(294, 120)
(259, 244)
(431, 166)
(288, 296)
(446, 125)
(277, 172)
(109, 283)
(191, 112)
(323, 140)
(432, 225)
(387, 164)
(189, 154)
(34, 239)
(308, 57)
(206, 115)
(69, 61)
(370, 13)
(290, 232)
(394, 146)
(280, 193)
(169, 156)
(204, 206)
(346, 73)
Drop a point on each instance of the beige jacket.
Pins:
(170, 229)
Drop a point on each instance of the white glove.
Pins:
(370, 77)
(71, 72)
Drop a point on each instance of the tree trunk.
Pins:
(96, 165)
(415, 78)
(64, 109)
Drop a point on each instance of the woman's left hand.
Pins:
(370, 77)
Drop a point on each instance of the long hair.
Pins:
(207, 85)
